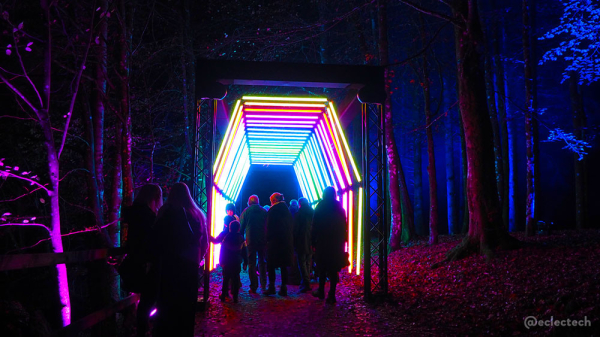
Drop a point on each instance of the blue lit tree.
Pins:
(580, 24)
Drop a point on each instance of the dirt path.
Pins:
(298, 314)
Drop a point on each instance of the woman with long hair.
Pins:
(139, 218)
(181, 241)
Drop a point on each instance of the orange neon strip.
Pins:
(339, 151)
(228, 135)
(350, 228)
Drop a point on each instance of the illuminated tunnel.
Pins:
(304, 133)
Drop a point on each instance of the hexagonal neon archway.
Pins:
(301, 132)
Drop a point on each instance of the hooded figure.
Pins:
(329, 238)
(302, 241)
(280, 242)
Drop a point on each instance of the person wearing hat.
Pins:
(280, 242)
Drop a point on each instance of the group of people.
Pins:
(172, 239)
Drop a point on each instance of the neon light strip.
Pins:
(235, 174)
(232, 167)
(297, 124)
(332, 158)
(281, 111)
(275, 125)
(314, 172)
(237, 188)
(227, 160)
(283, 132)
(302, 105)
(360, 224)
(343, 136)
(212, 227)
(316, 156)
(228, 148)
(301, 181)
(350, 228)
(317, 170)
(322, 156)
(340, 153)
(226, 140)
(289, 99)
(304, 170)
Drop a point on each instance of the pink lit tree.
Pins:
(32, 88)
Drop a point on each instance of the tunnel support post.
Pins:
(204, 150)
(374, 168)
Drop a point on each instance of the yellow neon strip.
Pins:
(229, 145)
(236, 110)
(336, 141)
(360, 219)
(350, 233)
(343, 136)
(288, 99)
(299, 105)
(334, 162)
(281, 110)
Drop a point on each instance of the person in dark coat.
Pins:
(181, 240)
(329, 237)
(233, 253)
(294, 206)
(139, 219)
(280, 242)
(302, 242)
(254, 225)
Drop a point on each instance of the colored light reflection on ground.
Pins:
(303, 132)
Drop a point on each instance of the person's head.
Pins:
(151, 195)
(253, 200)
(303, 202)
(179, 196)
(266, 207)
(294, 203)
(234, 226)
(275, 198)
(230, 209)
(329, 193)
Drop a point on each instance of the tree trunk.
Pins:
(491, 98)
(126, 143)
(450, 179)
(579, 126)
(99, 97)
(485, 222)
(433, 205)
(531, 128)
(512, 175)
(394, 165)
(418, 186)
(53, 171)
(464, 168)
(507, 202)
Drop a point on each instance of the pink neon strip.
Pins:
(272, 125)
(340, 150)
(276, 121)
(284, 110)
(329, 157)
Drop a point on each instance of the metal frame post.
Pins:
(374, 167)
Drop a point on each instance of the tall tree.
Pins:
(531, 123)
(579, 127)
(449, 156)
(396, 173)
(125, 26)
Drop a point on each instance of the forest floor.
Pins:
(551, 277)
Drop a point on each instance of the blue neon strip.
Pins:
(318, 154)
(322, 172)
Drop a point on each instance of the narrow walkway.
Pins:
(299, 314)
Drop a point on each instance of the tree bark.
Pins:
(394, 164)
(450, 179)
(485, 222)
(126, 143)
(418, 186)
(579, 126)
(464, 168)
(53, 170)
(431, 172)
(531, 127)
(99, 97)
(507, 203)
(491, 98)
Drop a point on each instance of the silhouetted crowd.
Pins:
(169, 241)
